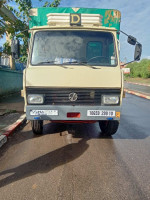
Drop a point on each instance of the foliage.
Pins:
(139, 69)
(53, 4)
(19, 28)
(2, 2)
(6, 48)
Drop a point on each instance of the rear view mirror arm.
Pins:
(138, 46)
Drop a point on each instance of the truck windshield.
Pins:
(74, 47)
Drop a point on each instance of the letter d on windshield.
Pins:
(75, 19)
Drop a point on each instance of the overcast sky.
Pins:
(135, 20)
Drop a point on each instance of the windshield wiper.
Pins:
(46, 62)
(81, 63)
(69, 62)
(51, 62)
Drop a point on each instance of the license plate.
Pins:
(43, 112)
(105, 113)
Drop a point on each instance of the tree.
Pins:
(5, 16)
(15, 21)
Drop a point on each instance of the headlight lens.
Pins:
(110, 99)
(35, 99)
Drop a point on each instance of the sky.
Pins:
(135, 21)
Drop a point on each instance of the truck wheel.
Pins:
(37, 127)
(108, 128)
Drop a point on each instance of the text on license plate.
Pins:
(43, 112)
(105, 113)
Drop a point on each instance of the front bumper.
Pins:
(62, 112)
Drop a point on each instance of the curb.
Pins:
(137, 94)
(137, 83)
(10, 129)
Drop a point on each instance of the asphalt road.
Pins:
(137, 88)
(80, 164)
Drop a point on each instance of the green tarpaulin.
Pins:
(110, 18)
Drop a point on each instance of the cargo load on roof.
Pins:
(48, 16)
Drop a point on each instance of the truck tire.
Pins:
(37, 127)
(108, 128)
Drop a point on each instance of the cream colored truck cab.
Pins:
(73, 71)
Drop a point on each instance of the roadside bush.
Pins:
(140, 69)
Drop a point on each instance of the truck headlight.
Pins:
(110, 99)
(35, 99)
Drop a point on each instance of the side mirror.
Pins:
(15, 48)
(138, 51)
(131, 40)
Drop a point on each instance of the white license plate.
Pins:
(105, 113)
(43, 112)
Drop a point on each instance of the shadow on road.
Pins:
(45, 163)
(70, 152)
(125, 131)
(51, 160)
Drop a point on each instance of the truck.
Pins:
(73, 72)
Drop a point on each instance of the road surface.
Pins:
(137, 88)
(80, 164)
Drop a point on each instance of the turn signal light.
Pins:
(118, 114)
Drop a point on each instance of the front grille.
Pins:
(61, 96)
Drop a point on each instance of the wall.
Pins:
(10, 81)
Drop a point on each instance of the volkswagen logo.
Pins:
(73, 96)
